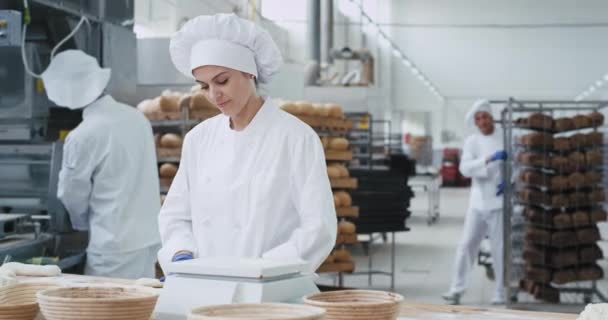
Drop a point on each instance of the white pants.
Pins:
(130, 265)
(477, 225)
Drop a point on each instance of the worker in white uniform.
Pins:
(482, 157)
(252, 181)
(108, 180)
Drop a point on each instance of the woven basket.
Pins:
(98, 303)
(357, 304)
(264, 311)
(18, 301)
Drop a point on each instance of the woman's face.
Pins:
(228, 89)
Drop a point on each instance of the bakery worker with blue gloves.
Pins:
(252, 181)
(482, 157)
(108, 180)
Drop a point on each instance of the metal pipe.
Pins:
(314, 29)
(327, 28)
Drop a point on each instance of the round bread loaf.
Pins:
(334, 111)
(345, 199)
(306, 109)
(341, 255)
(198, 101)
(339, 144)
(320, 110)
(167, 170)
(291, 108)
(342, 170)
(337, 202)
(325, 142)
(346, 227)
(333, 172)
(171, 140)
(169, 101)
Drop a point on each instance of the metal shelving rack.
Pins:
(513, 219)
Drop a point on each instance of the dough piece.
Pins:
(333, 172)
(342, 255)
(334, 111)
(339, 144)
(169, 101)
(345, 199)
(171, 140)
(198, 101)
(563, 124)
(30, 270)
(149, 282)
(346, 227)
(594, 311)
(167, 170)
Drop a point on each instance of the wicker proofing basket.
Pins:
(98, 303)
(264, 311)
(18, 301)
(357, 304)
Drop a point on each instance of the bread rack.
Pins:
(514, 221)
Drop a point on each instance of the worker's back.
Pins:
(124, 200)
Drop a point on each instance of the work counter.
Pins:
(409, 311)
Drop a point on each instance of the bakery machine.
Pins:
(33, 221)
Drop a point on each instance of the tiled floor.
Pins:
(424, 259)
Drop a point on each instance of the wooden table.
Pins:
(420, 311)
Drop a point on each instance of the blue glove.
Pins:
(499, 155)
(500, 189)
(182, 257)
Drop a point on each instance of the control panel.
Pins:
(10, 28)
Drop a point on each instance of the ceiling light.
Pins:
(397, 53)
(407, 62)
(415, 71)
(599, 83)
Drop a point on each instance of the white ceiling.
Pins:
(528, 49)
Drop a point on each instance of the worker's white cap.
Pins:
(74, 79)
(228, 41)
(479, 106)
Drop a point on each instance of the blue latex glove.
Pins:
(182, 257)
(498, 155)
(500, 189)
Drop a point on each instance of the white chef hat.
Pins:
(74, 79)
(228, 41)
(481, 105)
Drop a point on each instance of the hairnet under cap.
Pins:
(228, 41)
(479, 106)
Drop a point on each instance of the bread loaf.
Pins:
(337, 202)
(320, 110)
(559, 163)
(577, 199)
(590, 273)
(580, 218)
(594, 158)
(577, 159)
(330, 259)
(198, 101)
(171, 140)
(342, 255)
(598, 215)
(578, 140)
(538, 236)
(564, 276)
(593, 177)
(345, 199)
(533, 159)
(590, 254)
(563, 124)
(149, 107)
(537, 274)
(167, 170)
(544, 180)
(333, 172)
(538, 139)
(534, 255)
(169, 101)
(305, 109)
(581, 121)
(546, 293)
(538, 216)
(534, 197)
(597, 195)
(290, 108)
(576, 180)
(346, 227)
(540, 121)
(334, 111)
(562, 220)
(561, 144)
(588, 235)
(325, 142)
(342, 170)
(595, 138)
(565, 258)
(339, 144)
(597, 119)
(560, 239)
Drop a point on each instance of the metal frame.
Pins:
(513, 106)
